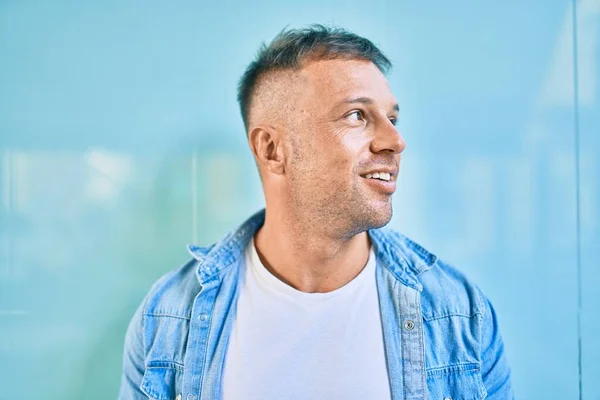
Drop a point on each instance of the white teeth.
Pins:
(384, 176)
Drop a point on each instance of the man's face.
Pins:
(341, 133)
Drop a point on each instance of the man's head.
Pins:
(320, 119)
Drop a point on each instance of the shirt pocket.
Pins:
(458, 382)
(162, 380)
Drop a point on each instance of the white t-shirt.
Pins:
(288, 344)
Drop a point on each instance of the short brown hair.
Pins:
(291, 48)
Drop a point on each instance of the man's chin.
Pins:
(381, 220)
(378, 216)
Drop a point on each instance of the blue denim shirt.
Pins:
(441, 334)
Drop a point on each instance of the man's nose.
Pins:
(387, 139)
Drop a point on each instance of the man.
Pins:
(309, 299)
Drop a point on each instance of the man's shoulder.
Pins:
(446, 290)
(172, 294)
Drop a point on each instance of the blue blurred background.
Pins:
(121, 142)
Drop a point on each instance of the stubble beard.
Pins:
(339, 213)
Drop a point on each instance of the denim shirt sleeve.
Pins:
(495, 368)
(133, 359)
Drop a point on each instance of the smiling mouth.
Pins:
(382, 176)
(381, 181)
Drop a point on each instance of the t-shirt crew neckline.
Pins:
(272, 283)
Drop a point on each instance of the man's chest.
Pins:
(284, 347)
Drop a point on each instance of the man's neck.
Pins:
(307, 259)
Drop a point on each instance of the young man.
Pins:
(309, 299)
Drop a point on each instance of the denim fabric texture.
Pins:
(441, 334)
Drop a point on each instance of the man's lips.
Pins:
(390, 170)
(388, 187)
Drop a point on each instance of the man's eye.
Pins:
(355, 116)
(394, 121)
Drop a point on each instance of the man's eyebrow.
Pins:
(366, 101)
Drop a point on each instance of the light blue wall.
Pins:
(120, 142)
(588, 158)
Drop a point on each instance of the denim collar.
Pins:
(405, 259)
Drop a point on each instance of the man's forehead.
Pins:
(340, 79)
(338, 66)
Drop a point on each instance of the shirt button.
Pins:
(409, 326)
(447, 398)
(202, 317)
(178, 397)
(191, 397)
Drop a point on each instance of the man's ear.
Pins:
(266, 143)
